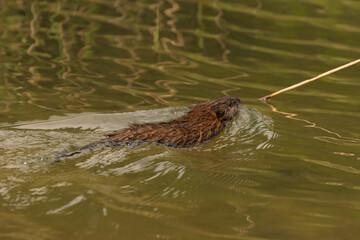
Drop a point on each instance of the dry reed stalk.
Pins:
(310, 80)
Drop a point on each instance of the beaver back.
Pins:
(203, 122)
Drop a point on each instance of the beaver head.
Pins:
(225, 108)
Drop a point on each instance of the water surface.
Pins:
(73, 71)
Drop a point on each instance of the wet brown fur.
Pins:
(203, 122)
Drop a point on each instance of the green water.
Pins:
(73, 71)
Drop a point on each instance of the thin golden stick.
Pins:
(310, 80)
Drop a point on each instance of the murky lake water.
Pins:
(73, 71)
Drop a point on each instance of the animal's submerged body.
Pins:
(202, 123)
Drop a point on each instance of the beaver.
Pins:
(202, 123)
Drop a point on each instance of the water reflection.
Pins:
(332, 137)
(68, 48)
(67, 68)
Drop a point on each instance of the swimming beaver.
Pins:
(203, 122)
